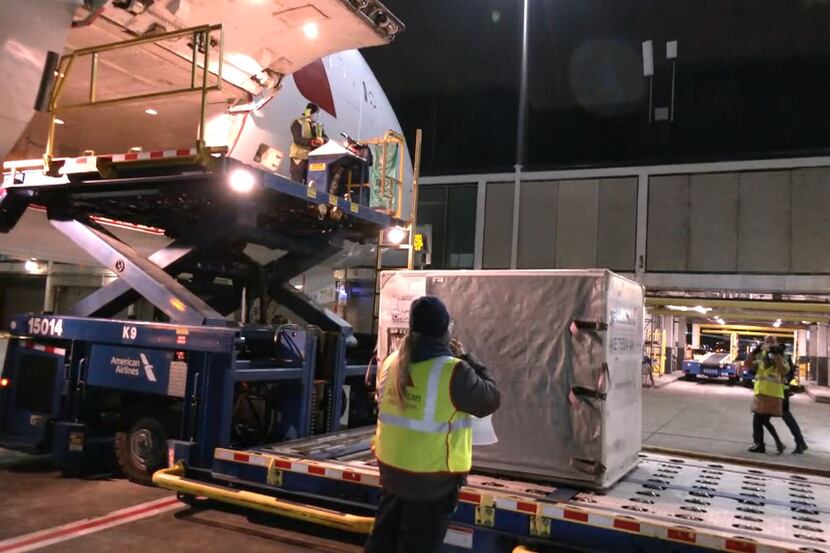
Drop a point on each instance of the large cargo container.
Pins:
(565, 348)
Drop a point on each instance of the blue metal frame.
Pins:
(28, 427)
(106, 331)
(351, 209)
(213, 372)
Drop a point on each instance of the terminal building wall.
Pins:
(749, 225)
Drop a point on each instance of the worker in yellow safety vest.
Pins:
(428, 391)
(307, 134)
(769, 368)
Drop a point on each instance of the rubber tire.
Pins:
(130, 465)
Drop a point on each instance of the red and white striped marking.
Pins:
(109, 222)
(334, 472)
(239, 457)
(156, 154)
(58, 534)
(86, 164)
(47, 349)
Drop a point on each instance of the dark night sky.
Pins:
(753, 80)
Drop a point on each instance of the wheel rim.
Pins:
(145, 447)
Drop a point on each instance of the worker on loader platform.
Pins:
(428, 391)
(307, 133)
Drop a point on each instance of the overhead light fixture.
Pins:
(4, 382)
(698, 308)
(151, 111)
(135, 149)
(396, 236)
(241, 180)
(311, 30)
(298, 286)
(59, 121)
(720, 321)
(806, 322)
(31, 266)
(777, 323)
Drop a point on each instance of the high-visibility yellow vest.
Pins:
(424, 433)
(310, 130)
(768, 381)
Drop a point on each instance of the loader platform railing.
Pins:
(206, 76)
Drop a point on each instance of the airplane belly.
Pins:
(28, 30)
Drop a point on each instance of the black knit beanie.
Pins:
(429, 316)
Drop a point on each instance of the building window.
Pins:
(450, 212)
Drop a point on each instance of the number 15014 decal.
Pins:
(45, 327)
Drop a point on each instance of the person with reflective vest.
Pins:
(789, 419)
(307, 134)
(769, 370)
(427, 392)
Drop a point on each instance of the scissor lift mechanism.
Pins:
(196, 282)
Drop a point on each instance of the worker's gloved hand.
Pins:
(457, 348)
(317, 142)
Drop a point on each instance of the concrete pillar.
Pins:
(682, 327)
(49, 294)
(695, 336)
(680, 341)
(801, 344)
(668, 325)
(817, 348)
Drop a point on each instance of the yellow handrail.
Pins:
(413, 209)
(173, 479)
(389, 186)
(200, 33)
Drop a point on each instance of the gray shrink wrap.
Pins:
(565, 348)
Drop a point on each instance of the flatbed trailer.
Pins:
(666, 504)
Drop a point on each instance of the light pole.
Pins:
(520, 138)
(648, 72)
(522, 117)
(662, 113)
